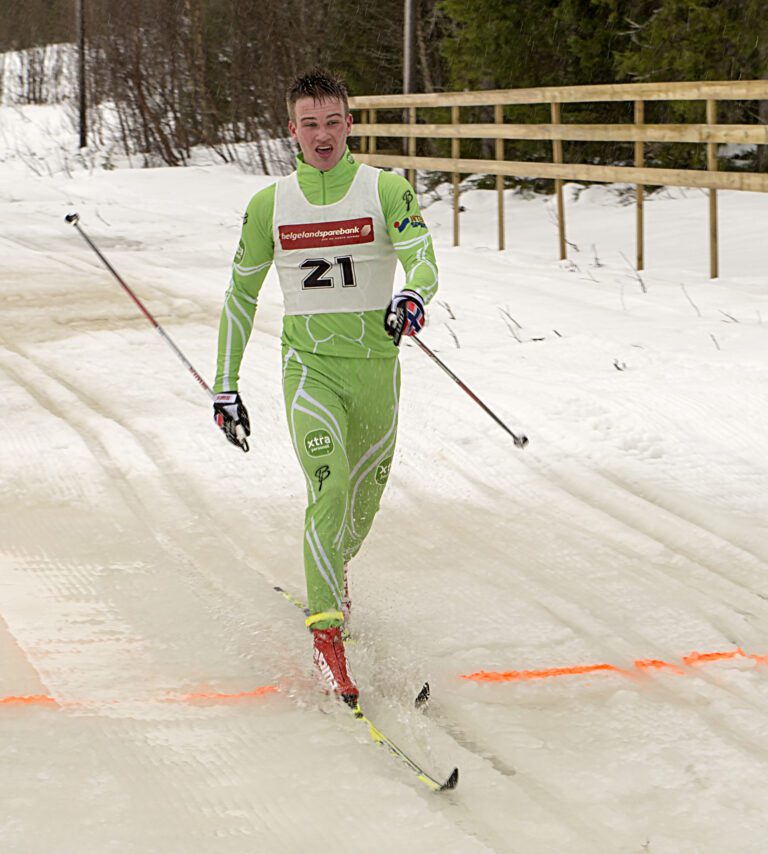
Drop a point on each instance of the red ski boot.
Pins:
(331, 661)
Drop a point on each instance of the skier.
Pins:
(334, 229)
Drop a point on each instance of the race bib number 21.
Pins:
(322, 273)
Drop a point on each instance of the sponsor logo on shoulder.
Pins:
(240, 252)
(316, 235)
(318, 443)
(415, 221)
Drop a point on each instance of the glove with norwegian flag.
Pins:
(231, 416)
(405, 315)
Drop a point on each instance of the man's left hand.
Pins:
(405, 315)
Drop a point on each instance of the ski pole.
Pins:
(74, 218)
(520, 441)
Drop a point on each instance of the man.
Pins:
(334, 229)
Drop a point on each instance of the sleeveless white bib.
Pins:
(335, 257)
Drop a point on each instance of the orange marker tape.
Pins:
(641, 664)
(656, 664)
(525, 675)
(217, 696)
(209, 696)
(700, 657)
(32, 700)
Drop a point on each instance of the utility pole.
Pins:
(80, 27)
(409, 30)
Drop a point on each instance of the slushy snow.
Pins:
(139, 549)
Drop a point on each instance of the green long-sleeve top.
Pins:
(344, 334)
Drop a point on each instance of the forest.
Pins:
(183, 73)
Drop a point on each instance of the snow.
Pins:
(139, 549)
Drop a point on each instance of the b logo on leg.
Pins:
(321, 474)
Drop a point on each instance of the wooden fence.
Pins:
(415, 125)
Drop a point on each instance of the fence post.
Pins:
(372, 139)
(639, 190)
(455, 154)
(712, 167)
(412, 145)
(557, 157)
(499, 118)
(364, 139)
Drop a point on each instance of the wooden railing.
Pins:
(415, 110)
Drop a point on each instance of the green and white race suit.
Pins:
(334, 237)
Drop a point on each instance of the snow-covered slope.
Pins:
(139, 549)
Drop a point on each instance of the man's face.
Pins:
(321, 129)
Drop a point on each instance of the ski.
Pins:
(378, 737)
(293, 600)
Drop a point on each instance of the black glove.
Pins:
(231, 416)
(405, 315)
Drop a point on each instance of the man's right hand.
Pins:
(405, 315)
(231, 416)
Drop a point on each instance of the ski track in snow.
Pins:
(139, 550)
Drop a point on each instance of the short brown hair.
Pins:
(318, 84)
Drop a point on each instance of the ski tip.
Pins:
(279, 589)
(422, 697)
(451, 782)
